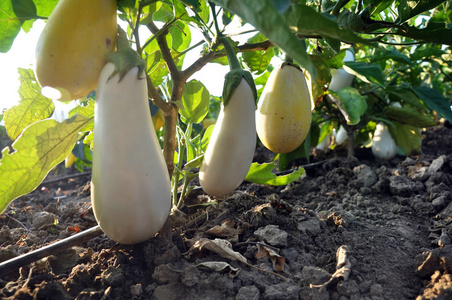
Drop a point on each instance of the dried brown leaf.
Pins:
(218, 246)
(278, 261)
(225, 230)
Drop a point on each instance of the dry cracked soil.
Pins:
(355, 228)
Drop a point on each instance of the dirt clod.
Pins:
(350, 229)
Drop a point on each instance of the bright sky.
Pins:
(22, 54)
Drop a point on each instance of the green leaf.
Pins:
(381, 6)
(155, 65)
(195, 101)
(164, 14)
(407, 96)
(263, 15)
(366, 72)
(45, 7)
(258, 61)
(306, 21)
(281, 5)
(435, 100)
(407, 137)
(409, 116)
(193, 146)
(9, 25)
(87, 110)
(206, 137)
(438, 33)
(384, 55)
(40, 147)
(354, 104)
(180, 36)
(195, 163)
(32, 107)
(262, 174)
(417, 7)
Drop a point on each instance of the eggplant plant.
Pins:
(400, 56)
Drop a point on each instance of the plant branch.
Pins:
(159, 32)
(211, 55)
(338, 6)
(163, 45)
(154, 95)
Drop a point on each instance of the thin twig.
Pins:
(65, 177)
(18, 222)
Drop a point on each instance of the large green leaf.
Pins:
(264, 16)
(195, 101)
(409, 116)
(438, 33)
(32, 107)
(407, 137)
(435, 100)
(45, 7)
(180, 36)
(37, 150)
(419, 6)
(353, 103)
(206, 137)
(366, 72)
(406, 95)
(258, 61)
(262, 174)
(13, 13)
(306, 21)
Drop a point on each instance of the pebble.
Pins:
(365, 176)
(43, 219)
(310, 226)
(282, 291)
(272, 235)
(163, 274)
(248, 292)
(113, 277)
(136, 290)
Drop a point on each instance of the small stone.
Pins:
(248, 292)
(113, 277)
(272, 235)
(163, 274)
(44, 219)
(365, 176)
(136, 290)
(376, 290)
(401, 186)
(170, 291)
(311, 226)
(282, 291)
(190, 276)
(439, 202)
(314, 275)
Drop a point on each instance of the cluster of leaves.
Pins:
(402, 51)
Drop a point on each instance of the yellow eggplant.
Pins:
(283, 115)
(72, 48)
(130, 190)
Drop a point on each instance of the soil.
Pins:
(356, 228)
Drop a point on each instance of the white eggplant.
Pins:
(341, 135)
(232, 144)
(130, 189)
(341, 78)
(383, 145)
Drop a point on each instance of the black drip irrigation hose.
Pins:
(25, 259)
(15, 263)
